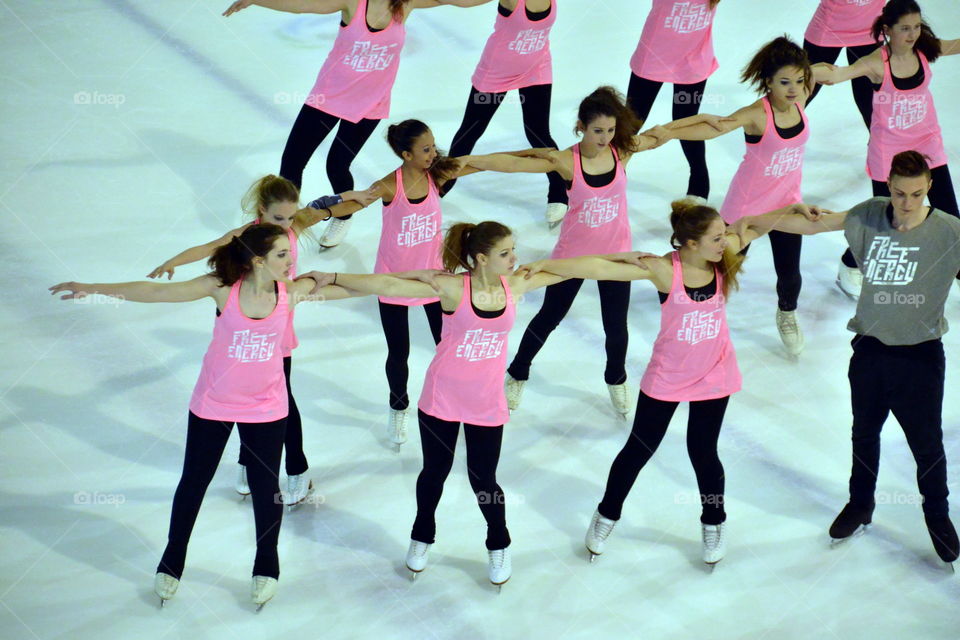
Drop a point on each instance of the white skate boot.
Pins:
(499, 568)
(620, 399)
(513, 389)
(262, 589)
(241, 485)
(850, 280)
(417, 557)
(397, 428)
(335, 233)
(714, 543)
(298, 488)
(554, 213)
(165, 586)
(790, 332)
(597, 534)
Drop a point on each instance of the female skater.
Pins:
(594, 170)
(837, 24)
(353, 86)
(904, 117)
(693, 359)
(677, 46)
(464, 383)
(517, 56)
(275, 200)
(241, 381)
(776, 132)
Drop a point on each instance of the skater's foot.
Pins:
(596, 538)
(298, 488)
(397, 428)
(789, 330)
(619, 398)
(262, 589)
(499, 568)
(554, 214)
(335, 233)
(944, 537)
(714, 542)
(852, 519)
(513, 389)
(165, 586)
(242, 487)
(850, 280)
(417, 556)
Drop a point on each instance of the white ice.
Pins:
(131, 129)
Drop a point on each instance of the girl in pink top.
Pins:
(241, 381)
(844, 23)
(677, 46)
(464, 383)
(768, 178)
(597, 221)
(904, 117)
(692, 361)
(353, 87)
(275, 200)
(516, 56)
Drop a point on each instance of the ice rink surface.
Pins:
(133, 128)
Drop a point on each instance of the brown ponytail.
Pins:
(396, 9)
(465, 241)
(773, 56)
(690, 222)
(927, 43)
(234, 260)
(607, 101)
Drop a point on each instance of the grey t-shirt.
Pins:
(906, 274)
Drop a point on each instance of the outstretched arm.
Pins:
(427, 4)
(707, 126)
(510, 163)
(591, 268)
(194, 254)
(870, 66)
(195, 289)
(949, 47)
(291, 6)
(790, 219)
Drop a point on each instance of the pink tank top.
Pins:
(357, 77)
(596, 221)
(843, 23)
(241, 379)
(903, 121)
(464, 382)
(693, 357)
(517, 53)
(410, 237)
(290, 341)
(769, 174)
(677, 42)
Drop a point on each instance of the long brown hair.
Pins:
(266, 191)
(396, 9)
(234, 260)
(714, 3)
(927, 43)
(607, 101)
(690, 222)
(400, 137)
(773, 56)
(465, 241)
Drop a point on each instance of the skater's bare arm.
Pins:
(291, 6)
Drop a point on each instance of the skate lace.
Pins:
(712, 536)
(602, 528)
(787, 322)
(496, 558)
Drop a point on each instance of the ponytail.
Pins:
(607, 101)
(778, 53)
(234, 260)
(690, 222)
(465, 241)
(266, 191)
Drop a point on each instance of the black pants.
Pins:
(535, 105)
(908, 381)
(686, 102)
(205, 442)
(438, 438)
(296, 460)
(309, 130)
(649, 427)
(614, 304)
(861, 87)
(785, 248)
(396, 329)
(942, 196)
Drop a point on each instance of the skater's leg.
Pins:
(817, 53)
(483, 454)
(480, 109)
(435, 319)
(535, 104)
(703, 431)
(296, 459)
(649, 426)
(395, 321)
(869, 401)
(942, 195)
(557, 299)
(686, 103)
(862, 87)
(346, 145)
(438, 439)
(786, 262)
(265, 441)
(640, 95)
(309, 130)
(614, 306)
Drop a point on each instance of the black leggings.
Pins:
(205, 442)
(649, 427)
(861, 87)
(785, 248)
(941, 196)
(438, 438)
(309, 130)
(396, 329)
(296, 461)
(535, 105)
(614, 304)
(686, 102)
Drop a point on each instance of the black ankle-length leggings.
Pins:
(686, 102)
(861, 87)
(785, 248)
(557, 299)
(649, 426)
(309, 130)
(535, 105)
(396, 329)
(206, 440)
(438, 439)
(296, 459)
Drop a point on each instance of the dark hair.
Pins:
(892, 12)
(396, 8)
(773, 56)
(465, 241)
(234, 260)
(909, 164)
(400, 137)
(714, 3)
(266, 191)
(690, 222)
(607, 101)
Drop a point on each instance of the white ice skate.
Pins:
(262, 589)
(499, 568)
(714, 543)
(620, 399)
(397, 427)
(850, 280)
(790, 332)
(416, 560)
(335, 233)
(165, 586)
(513, 389)
(554, 213)
(241, 485)
(298, 488)
(597, 534)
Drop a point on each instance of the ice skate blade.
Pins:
(309, 493)
(499, 585)
(593, 556)
(261, 606)
(243, 496)
(859, 531)
(413, 574)
(162, 602)
(847, 293)
(711, 566)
